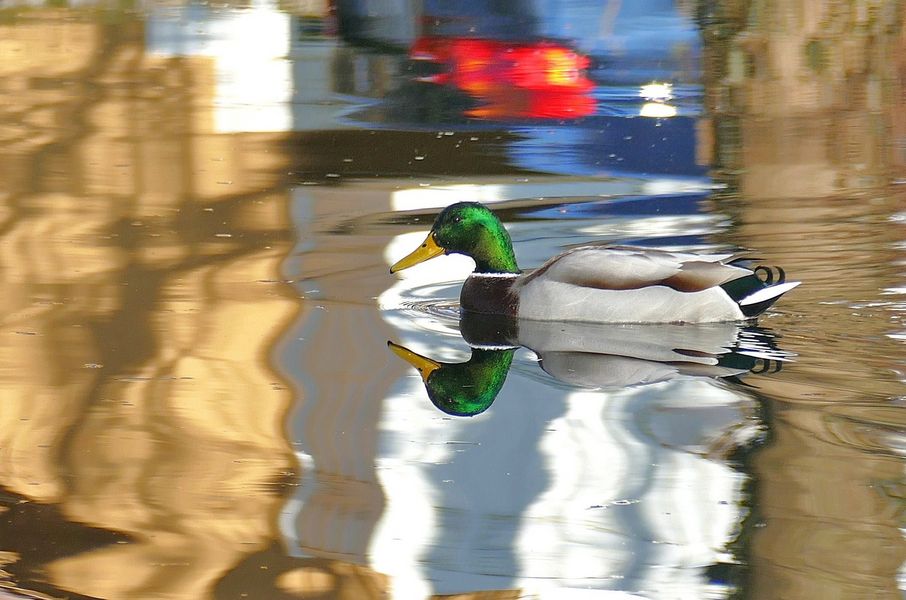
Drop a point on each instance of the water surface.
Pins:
(199, 208)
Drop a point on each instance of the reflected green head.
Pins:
(467, 389)
(471, 229)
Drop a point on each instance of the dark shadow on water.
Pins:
(37, 534)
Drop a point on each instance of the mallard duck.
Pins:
(591, 356)
(601, 284)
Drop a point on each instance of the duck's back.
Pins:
(630, 285)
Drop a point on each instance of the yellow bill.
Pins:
(424, 366)
(428, 249)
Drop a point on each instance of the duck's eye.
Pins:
(457, 219)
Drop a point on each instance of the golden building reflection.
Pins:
(829, 481)
(806, 104)
(140, 254)
(808, 71)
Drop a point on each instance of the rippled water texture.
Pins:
(198, 208)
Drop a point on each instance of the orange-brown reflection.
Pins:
(139, 253)
(828, 483)
(803, 118)
(832, 509)
(828, 79)
(270, 574)
(273, 575)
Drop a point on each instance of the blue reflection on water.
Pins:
(627, 100)
(677, 204)
(631, 42)
(632, 146)
(630, 45)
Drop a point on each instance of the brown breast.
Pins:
(489, 295)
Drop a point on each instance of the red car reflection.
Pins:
(509, 79)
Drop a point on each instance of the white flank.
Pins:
(545, 300)
(768, 293)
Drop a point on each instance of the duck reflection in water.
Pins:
(605, 356)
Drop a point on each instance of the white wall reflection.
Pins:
(252, 76)
(441, 195)
(657, 110)
(554, 491)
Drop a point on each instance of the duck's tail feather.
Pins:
(757, 302)
(756, 292)
(769, 293)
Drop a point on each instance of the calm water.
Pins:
(199, 207)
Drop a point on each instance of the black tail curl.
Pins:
(766, 365)
(772, 275)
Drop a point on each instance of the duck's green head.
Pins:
(461, 389)
(471, 229)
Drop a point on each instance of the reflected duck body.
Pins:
(595, 356)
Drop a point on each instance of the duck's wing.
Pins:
(626, 268)
(721, 257)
